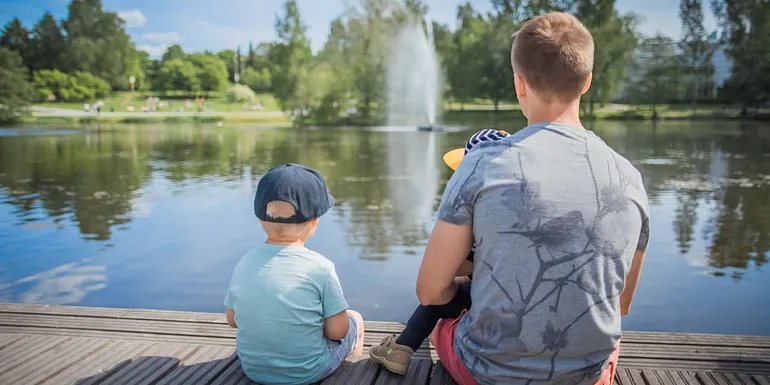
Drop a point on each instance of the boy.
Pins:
(394, 352)
(561, 226)
(285, 300)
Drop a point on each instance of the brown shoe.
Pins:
(391, 355)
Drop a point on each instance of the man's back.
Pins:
(557, 216)
(281, 296)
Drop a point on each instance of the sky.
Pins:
(215, 25)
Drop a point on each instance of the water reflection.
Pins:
(63, 285)
(163, 195)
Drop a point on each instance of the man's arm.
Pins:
(230, 313)
(632, 280)
(336, 326)
(447, 249)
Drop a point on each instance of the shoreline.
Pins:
(448, 117)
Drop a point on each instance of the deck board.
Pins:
(76, 345)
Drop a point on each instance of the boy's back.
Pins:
(281, 295)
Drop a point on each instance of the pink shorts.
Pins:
(443, 338)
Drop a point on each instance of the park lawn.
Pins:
(215, 102)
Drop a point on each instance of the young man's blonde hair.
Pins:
(283, 209)
(554, 53)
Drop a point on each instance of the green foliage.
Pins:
(290, 56)
(15, 90)
(174, 52)
(654, 72)
(746, 28)
(16, 38)
(97, 43)
(97, 87)
(176, 74)
(257, 80)
(228, 57)
(212, 73)
(47, 47)
(240, 93)
(55, 85)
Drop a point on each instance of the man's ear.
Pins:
(588, 84)
(521, 86)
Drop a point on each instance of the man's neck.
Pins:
(566, 114)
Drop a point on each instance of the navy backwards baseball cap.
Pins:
(301, 186)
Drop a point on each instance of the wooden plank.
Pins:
(202, 367)
(363, 372)
(418, 373)
(696, 366)
(761, 380)
(152, 366)
(19, 354)
(233, 374)
(110, 358)
(440, 376)
(128, 336)
(630, 377)
(54, 361)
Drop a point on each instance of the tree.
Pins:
(174, 52)
(16, 38)
(654, 72)
(212, 73)
(614, 40)
(52, 85)
(97, 43)
(746, 28)
(468, 55)
(257, 80)
(97, 87)
(228, 57)
(291, 55)
(47, 47)
(696, 44)
(497, 74)
(176, 74)
(15, 90)
(150, 69)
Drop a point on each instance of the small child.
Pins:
(285, 300)
(394, 353)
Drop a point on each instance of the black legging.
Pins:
(424, 319)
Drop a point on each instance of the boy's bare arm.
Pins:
(230, 313)
(336, 326)
(632, 280)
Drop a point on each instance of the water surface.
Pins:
(157, 216)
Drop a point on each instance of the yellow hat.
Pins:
(454, 157)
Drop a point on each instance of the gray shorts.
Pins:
(338, 351)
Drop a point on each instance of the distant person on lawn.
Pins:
(560, 223)
(294, 326)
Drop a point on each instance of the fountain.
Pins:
(413, 79)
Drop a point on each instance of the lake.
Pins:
(157, 216)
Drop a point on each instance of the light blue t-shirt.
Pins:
(281, 296)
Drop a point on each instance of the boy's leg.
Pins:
(424, 319)
(351, 347)
(358, 350)
(395, 354)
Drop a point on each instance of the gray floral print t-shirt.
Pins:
(556, 216)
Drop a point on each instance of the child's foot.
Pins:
(391, 355)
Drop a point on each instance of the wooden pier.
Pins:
(78, 345)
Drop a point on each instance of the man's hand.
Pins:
(447, 249)
(632, 280)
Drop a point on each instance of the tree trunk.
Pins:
(591, 106)
(497, 104)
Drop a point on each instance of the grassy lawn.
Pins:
(171, 101)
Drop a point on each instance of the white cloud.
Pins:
(155, 51)
(133, 18)
(160, 37)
